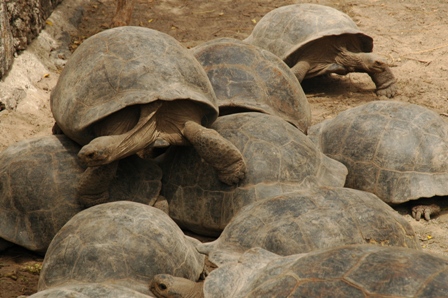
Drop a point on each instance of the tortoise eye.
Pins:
(162, 286)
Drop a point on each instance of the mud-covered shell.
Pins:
(396, 150)
(38, 180)
(346, 271)
(126, 66)
(308, 220)
(248, 78)
(278, 156)
(89, 290)
(123, 243)
(285, 30)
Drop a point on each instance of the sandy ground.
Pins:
(409, 34)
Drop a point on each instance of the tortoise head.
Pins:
(168, 286)
(373, 63)
(97, 152)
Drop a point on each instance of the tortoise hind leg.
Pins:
(425, 211)
(220, 153)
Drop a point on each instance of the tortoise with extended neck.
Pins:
(127, 87)
(315, 40)
(345, 271)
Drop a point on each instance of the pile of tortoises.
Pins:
(219, 137)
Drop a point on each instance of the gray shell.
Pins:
(347, 271)
(308, 220)
(124, 243)
(248, 78)
(279, 158)
(285, 30)
(396, 150)
(89, 290)
(38, 179)
(126, 66)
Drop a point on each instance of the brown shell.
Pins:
(126, 66)
(396, 150)
(123, 243)
(248, 78)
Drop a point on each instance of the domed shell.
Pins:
(396, 150)
(126, 66)
(285, 30)
(38, 180)
(123, 243)
(248, 78)
(309, 220)
(345, 271)
(89, 290)
(279, 158)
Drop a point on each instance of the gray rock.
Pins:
(20, 22)
(6, 45)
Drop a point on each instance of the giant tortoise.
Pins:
(38, 179)
(396, 150)
(123, 243)
(279, 159)
(127, 87)
(316, 40)
(248, 78)
(311, 219)
(346, 271)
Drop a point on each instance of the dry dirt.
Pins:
(410, 34)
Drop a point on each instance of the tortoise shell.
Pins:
(38, 179)
(309, 220)
(248, 78)
(279, 158)
(124, 243)
(89, 290)
(126, 66)
(396, 150)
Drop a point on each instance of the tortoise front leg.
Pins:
(385, 82)
(93, 186)
(219, 152)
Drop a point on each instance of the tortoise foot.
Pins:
(234, 173)
(385, 82)
(388, 92)
(425, 210)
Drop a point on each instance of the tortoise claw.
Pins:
(425, 210)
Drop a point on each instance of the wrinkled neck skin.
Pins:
(334, 54)
(167, 286)
(360, 62)
(111, 145)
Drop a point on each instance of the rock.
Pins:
(20, 22)
(6, 45)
